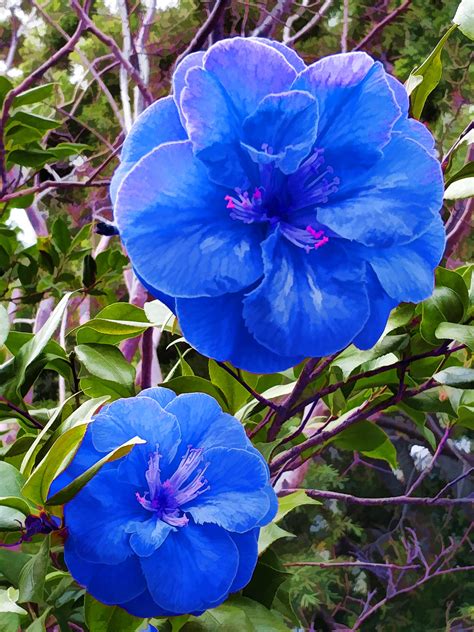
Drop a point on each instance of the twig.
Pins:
(357, 564)
(52, 184)
(266, 28)
(20, 411)
(255, 395)
(345, 27)
(310, 25)
(377, 502)
(428, 469)
(147, 352)
(199, 39)
(381, 25)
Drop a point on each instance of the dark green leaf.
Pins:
(369, 439)
(102, 618)
(107, 363)
(34, 95)
(33, 574)
(61, 235)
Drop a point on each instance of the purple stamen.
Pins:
(166, 499)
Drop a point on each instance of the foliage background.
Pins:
(86, 107)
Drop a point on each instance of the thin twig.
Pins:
(382, 24)
(377, 502)
(199, 39)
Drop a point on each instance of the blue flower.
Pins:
(281, 210)
(171, 528)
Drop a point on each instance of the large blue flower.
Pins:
(281, 210)
(172, 528)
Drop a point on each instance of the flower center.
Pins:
(289, 201)
(186, 484)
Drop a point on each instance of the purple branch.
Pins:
(148, 351)
(381, 25)
(428, 469)
(255, 395)
(357, 564)
(206, 29)
(377, 502)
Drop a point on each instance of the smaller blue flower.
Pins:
(172, 528)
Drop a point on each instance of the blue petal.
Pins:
(143, 606)
(391, 202)
(98, 517)
(288, 53)
(162, 396)
(109, 583)
(204, 425)
(216, 328)
(136, 416)
(172, 220)
(407, 272)
(148, 536)
(237, 499)
(287, 124)
(248, 70)
(380, 307)
(169, 301)
(179, 78)
(158, 124)
(407, 126)
(357, 108)
(213, 128)
(247, 544)
(194, 568)
(310, 304)
(273, 505)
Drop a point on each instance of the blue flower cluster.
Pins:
(172, 528)
(281, 210)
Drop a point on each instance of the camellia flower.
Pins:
(171, 528)
(283, 210)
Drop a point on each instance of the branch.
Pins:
(311, 24)
(112, 44)
(266, 28)
(378, 502)
(199, 39)
(52, 184)
(31, 81)
(20, 411)
(381, 25)
(357, 564)
(255, 395)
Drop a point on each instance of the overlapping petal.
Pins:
(173, 220)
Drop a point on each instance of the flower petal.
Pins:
(114, 508)
(193, 60)
(148, 536)
(285, 124)
(136, 416)
(216, 328)
(143, 606)
(288, 53)
(248, 70)
(390, 203)
(310, 304)
(109, 583)
(204, 425)
(407, 272)
(194, 568)
(356, 105)
(162, 396)
(247, 544)
(237, 499)
(172, 219)
(158, 124)
(380, 307)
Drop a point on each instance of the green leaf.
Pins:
(238, 614)
(352, 358)
(464, 18)
(452, 331)
(466, 171)
(84, 413)
(102, 618)
(34, 95)
(32, 349)
(69, 491)
(33, 573)
(33, 157)
(369, 439)
(12, 509)
(449, 303)
(107, 363)
(195, 384)
(58, 458)
(4, 325)
(292, 501)
(113, 324)
(61, 235)
(5, 87)
(62, 151)
(460, 189)
(457, 376)
(8, 599)
(430, 72)
(235, 394)
(39, 624)
(33, 120)
(270, 534)
(267, 577)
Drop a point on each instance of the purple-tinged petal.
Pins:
(172, 220)
(158, 124)
(194, 567)
(309, 303)
(289, 54)
(216, 328)
(193, 60)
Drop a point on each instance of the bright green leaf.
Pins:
(460, 189)
(453, 331)
(464, 18)
(102, 618)
(270, 534)
(34, 95)
(457, 376)
(107, 363)
(4, 325)
(292, 501)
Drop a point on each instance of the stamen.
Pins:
(244, 208)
